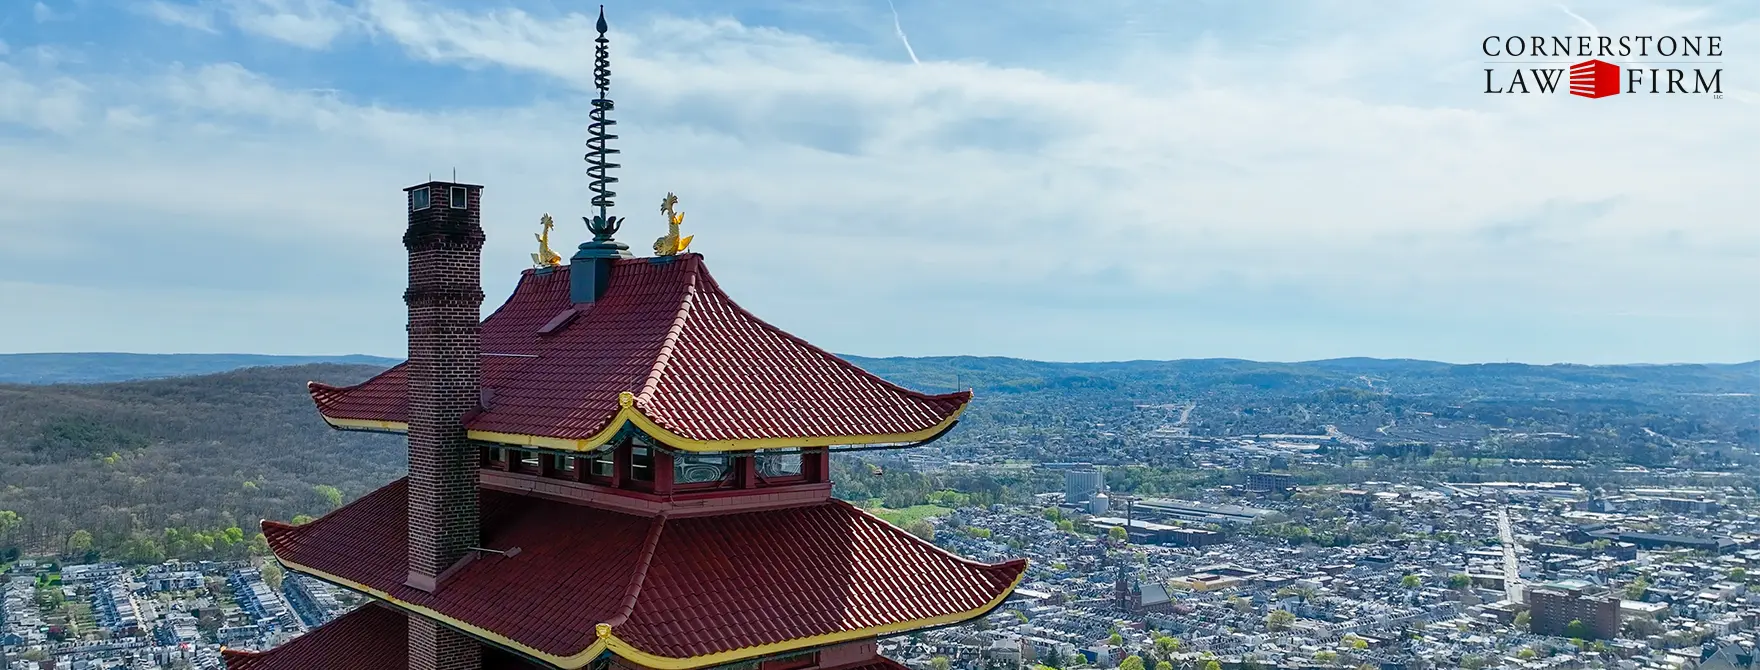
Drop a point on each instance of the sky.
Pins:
(1075, 181)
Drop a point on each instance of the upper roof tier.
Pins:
(664, 350)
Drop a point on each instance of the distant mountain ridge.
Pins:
(997, 374)
(99, 367)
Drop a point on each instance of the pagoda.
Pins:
(619, 467)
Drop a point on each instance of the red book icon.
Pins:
(1594, 79)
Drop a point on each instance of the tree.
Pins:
(1459, 582)
(1212, 665)
(79, 543)
(1279, 620)
(921, 528)
(1576, 630)
(1637, 589)
(1117, 534)
(1411, 581)
(1163, 665)
(330, 494)
(9, 521)
(1115, 639)
(939, 663)
(273, 574)
(1132, 662)
(301, 519)
(1053, 658)
(1522, 619)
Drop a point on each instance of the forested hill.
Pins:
(167, 466)
(197, 454)
(85, 368)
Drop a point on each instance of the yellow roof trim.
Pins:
(608, 640)
(366, 424)
(629, 414)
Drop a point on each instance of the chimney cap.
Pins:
(436, 182)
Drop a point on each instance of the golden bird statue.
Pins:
(671, 244)
(545, 258)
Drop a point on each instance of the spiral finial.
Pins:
(599, 153)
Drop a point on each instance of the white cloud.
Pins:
(1301, 171)
(196, 17)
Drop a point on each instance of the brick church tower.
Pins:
(619, 469)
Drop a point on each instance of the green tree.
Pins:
(1522, 620)
(1411, 581)
(1163, 665)
(79, 544)
(1053, 514)
(1212, 665)
(1167, 645)
(1459, 581)
(1576, 630)
(921, 528)
(273, 575)
(1637, 589)
(1117, 534)
(9, 521)
(1279, 620)
(1132, 662)
(330, 495)
(301, 519)
(939, 663)
(1115, 639)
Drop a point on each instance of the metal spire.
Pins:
(599, 154)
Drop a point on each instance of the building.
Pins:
(619, 468)
(1271, 482)
(1081, 484)
(1554, 606)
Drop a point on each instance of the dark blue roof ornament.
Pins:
(599, 153)
(592, 262)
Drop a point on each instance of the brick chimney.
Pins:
(445, 243)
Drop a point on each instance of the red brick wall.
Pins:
(444, 297)
(433, 646)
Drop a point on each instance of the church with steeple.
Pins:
(618, 467)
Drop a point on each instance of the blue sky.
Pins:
(1099, 180)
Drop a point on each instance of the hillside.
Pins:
(86, 368)
(200, 454)
(197, 453)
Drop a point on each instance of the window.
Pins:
(528, 461)
(641, 464)
(564, 463)
(603, 463)
(418, 199)
(699, 469)
(775, 466)
(459, 198)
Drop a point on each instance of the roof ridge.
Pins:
(631, 594)
(664, 355)
(714, 286)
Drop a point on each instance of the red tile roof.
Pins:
(697, 364)
(373, 636)
(668, 588)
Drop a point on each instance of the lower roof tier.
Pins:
(662, 592)
(374, 636)
(371, 636)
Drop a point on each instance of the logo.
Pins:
(1665, 65)
(1594, 79)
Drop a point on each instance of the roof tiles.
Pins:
(373, 636)
(677, 588)
(698, 365)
